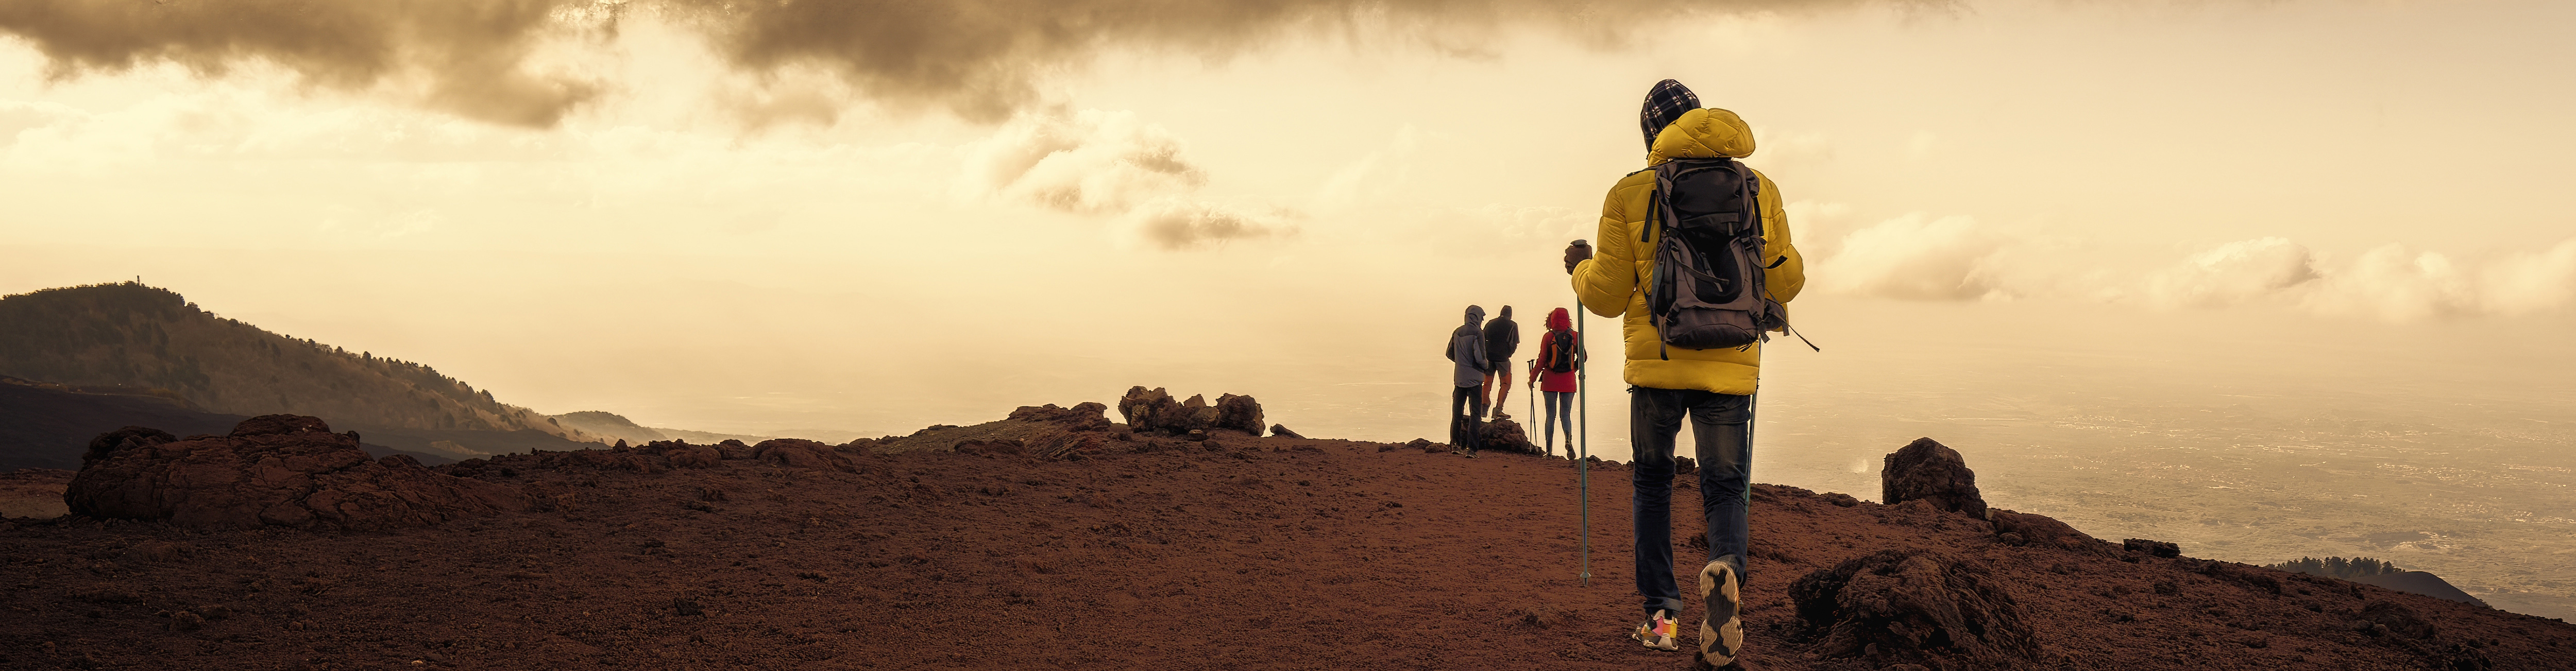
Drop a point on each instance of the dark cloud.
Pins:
(978, 58)
(468, 55)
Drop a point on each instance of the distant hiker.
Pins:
(1502, 338)
(1467, 347)
(1560, 351)
(1694, 252)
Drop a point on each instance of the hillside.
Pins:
(1124, 549)
(156, 342)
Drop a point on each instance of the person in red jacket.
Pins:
(1560, 352)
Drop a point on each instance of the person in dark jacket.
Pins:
(1466, 346)
(1502, 338)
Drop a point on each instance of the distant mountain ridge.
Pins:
(616, 426)
(155, 342)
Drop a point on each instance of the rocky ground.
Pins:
(1068, 541)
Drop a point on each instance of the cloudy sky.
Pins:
(875, 216)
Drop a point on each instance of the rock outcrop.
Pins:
(1927, 470)
(1504, 435)
(282, 470)
(1239, 413)
(801, 453)
(1915, 607)
(1154, 411)
(2028, 529)
(1281, 430)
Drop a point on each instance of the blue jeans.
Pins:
(1721, 430)
(1559, 406)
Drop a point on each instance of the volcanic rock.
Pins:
(1196, 414)
(2148, 547)
(1928, 470)
(1281, 430)
(283, 470)
(1085, 416)
(1915, 606)
(684, 455)
(1239, 413)
(2398, 618)
(2038, 529)
(1154, 411)
(734, 449)
(802, 453)
(1504, 435)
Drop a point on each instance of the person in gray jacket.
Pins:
(1466, 346)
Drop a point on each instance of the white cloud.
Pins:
(1088, 162)
(1111, 163)
(2233, 273)
(1915, 257)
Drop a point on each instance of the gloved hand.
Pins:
(1576, 253)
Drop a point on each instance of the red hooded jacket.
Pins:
(1548, 380)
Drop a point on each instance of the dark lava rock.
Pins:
(802, 453)
(1239, 413)
(685, 606)
(1085, 416)
(2157, 548)
(2038, 529)
(283, 470)
(1927, 470)
(734, 449)
(1154, 411)
(1915, 606)
(2398, 618)
(1840, 499)
(1685, 465)
(684, 455)
(1281, 430)
(1505, 435)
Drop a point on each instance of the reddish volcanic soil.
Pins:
(1249, 554)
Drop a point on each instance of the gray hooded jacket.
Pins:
(1467, 347)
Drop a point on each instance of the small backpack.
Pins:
(1560, 352)
(1708, 288)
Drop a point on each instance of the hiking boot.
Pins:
(1657, 632)
(1721, 636)
(1498, 414)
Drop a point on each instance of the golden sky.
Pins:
(827, 220)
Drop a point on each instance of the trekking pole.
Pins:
(1583, 419)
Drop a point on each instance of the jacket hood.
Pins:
(1703, 133)
(1558, 321)
(1475, 315)
(1507, 313)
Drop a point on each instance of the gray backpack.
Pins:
(1708, 287)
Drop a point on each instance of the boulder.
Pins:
(802, 453)
(2151, 547)
(1239, 413)
(1154, 411)
(1281, 430)
(734, 449)
(282, 470)
(1506, 436)
(2039, 530)
(1932, 472)
(684, 455)
(1915, 606)
(1196, 414)
(1085, 416)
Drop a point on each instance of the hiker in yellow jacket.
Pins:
(1713, 387)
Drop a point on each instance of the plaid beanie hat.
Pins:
(1664, 105)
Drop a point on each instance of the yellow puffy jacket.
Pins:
(1611, 283)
